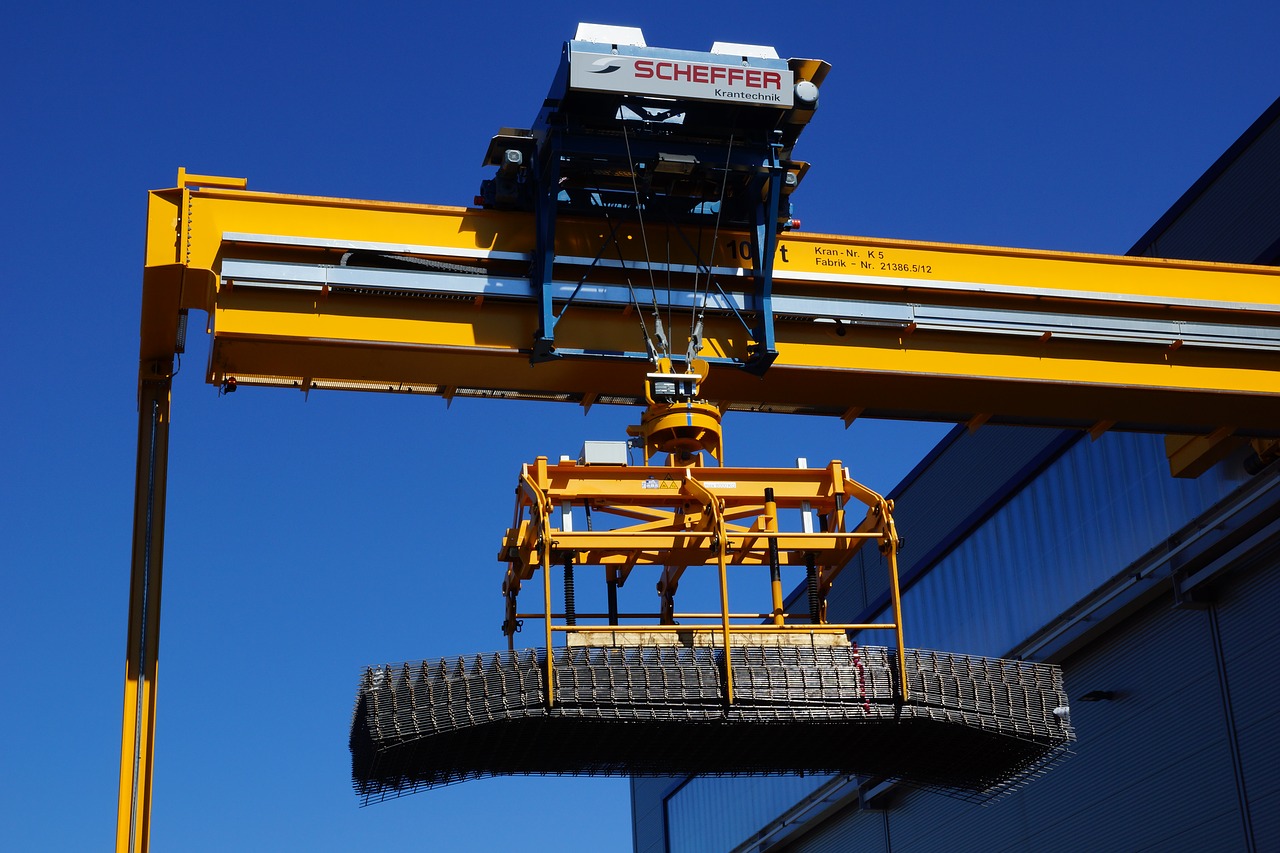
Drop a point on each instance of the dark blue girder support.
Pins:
(767, 185)
(546, 192)
(764, 236)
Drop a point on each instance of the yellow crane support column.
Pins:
(133, 816)
(169, 287)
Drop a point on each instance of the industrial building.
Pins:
(1156, 595)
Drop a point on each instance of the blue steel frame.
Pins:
(557, 145)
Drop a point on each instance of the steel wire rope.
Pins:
(644, 239)
(727, 302)
(670, 308)
(635, 300)
(698, 266)
(696, 313)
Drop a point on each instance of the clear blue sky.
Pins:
(309, 538)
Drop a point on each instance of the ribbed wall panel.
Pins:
(1266, 821)
(1250, 634)
(932, 507)
(1097, 508)
(718, 814)
(1161, 741)
(851, 831)
(1237, 217)
(646, 813)
(860, 581)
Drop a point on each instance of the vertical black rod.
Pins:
(570, 604)
(811, 581)
(610, 579)
(775, 567)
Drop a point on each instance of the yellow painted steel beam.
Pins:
(137, 740)
(460, 347)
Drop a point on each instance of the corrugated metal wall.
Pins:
(1153, 770)
(1250, 635)
(957, 483)
(867, 834)
(712, 813)
(1235, 216)
(647, 823)
(1096, 509)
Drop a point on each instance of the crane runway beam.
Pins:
(973, 727)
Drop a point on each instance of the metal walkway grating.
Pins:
(973, 726)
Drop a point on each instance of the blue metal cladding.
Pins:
(711, 813)
(1232, 213)
(932, 513)
(1093, 511)
(1097, 508)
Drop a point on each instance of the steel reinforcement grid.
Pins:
(973, 727)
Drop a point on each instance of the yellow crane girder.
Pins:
(864, 327)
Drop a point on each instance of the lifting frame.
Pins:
(682, 519)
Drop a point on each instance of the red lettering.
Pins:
(735, 75)
(700, 73)
(753, 78)
(643, 69)
(686, 72)
(663, 66)
(718, 72)
(772, 78)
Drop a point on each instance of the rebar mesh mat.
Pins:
(972, 726)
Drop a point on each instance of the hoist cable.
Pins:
(644, 239)
(635, 300)
(612, 238)
(715, 235)
(727, 302)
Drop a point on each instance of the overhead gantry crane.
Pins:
(653, 194)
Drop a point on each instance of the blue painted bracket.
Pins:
(764, 237)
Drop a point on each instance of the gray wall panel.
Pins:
(852, 831)
(1266, 821)
(1161, 741)
(1246, 607)
(711, 813)
(1237, 217)
(647, 829)
(935, 504)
